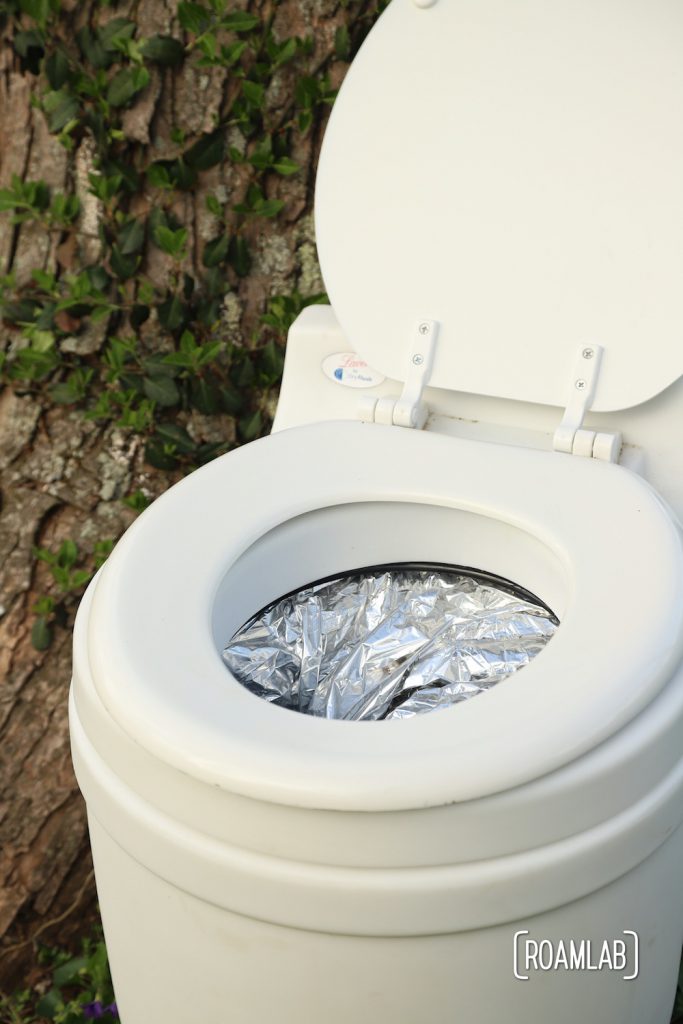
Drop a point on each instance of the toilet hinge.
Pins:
(571, 436)
(409, 410)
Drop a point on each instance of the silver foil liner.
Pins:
(389, 642)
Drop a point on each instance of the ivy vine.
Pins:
(85, 79)
(86, 82)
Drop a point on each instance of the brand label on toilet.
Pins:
(533, 955)
(349, 369)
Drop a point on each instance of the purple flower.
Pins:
(93, 1010)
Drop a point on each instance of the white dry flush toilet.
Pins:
(500, 224)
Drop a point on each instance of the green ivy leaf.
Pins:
(182, 175)
(37, 194)
(131, 236)
(60, 107)
(205, 396)
(251, 426)
(61, 394)
(159, 456)
(257, 205)
(92, 49)
(137, 501)
(173, 433)
(188, 345)
(36, 362)
(70, 972)
(51, 1003)
(158, 365)
(305, 121)
(253, 92)
(270, 208)
(171, 242)
(57, 68)
(283, 52)
(245, 373)
(44, 605)
(105, 187)
(171, 313)
(24, 311)
(216, 251)
(272, 362)
(41, 638)
(44, 279)
(39, 10)
(285, 165)
(231, 399)
(213, 206)
(307, 92)
(74, 388)
(207, 152)
(130, 179)
(240, 21)
(115, 32)
(230, 54)
(342, 43)
(210, 351)
(123, 266)
(8, 200)
(239, 256)
(162, 390)
(126, 84)
(159, 176)
(65, 209)
(206, 452)
(98, 277)
(262, 156)
(164, 50)
(67, 554)
(193, 17)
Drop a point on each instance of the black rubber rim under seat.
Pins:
(376, 570)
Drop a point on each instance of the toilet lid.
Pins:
(513, 171)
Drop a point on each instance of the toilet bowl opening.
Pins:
(346, 540)
(389, 641)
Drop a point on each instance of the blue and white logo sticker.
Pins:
(351, 370)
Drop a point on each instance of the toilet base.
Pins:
(178, 959)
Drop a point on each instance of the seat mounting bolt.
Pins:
(418, 359)
(580, 385)
(588, 353)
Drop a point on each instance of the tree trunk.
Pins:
(63, 475)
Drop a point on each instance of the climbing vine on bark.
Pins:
(157, 161)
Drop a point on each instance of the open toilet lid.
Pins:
(512, 169)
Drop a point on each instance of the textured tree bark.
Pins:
(61, 475)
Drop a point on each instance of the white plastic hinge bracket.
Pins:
(409, 410)
(571, 436)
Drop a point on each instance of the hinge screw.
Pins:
(580, 385)
(418, 360)
(588, 353)
(424, 328)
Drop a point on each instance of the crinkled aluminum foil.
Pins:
(388, 643)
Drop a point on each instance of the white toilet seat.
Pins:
(596, 521)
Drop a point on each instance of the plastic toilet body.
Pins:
(497, 384)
